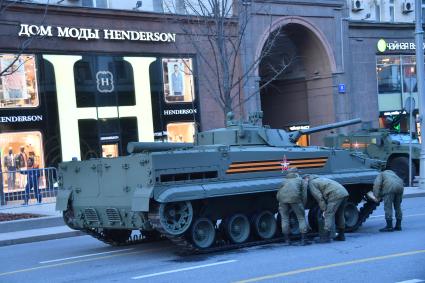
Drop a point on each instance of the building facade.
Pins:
(338, 60)
(382, 44)
(82, 82)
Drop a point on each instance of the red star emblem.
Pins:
(284, 164)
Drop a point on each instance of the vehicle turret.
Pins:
(248, 133)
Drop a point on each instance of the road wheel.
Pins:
(117, 235)
(264, 225)
(203, 233)
(400, 165)
(237, 228)
(351, 214)
(176, 217)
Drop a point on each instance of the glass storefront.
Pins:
(18, 84)
(15, 150)
(181, 132)
(396, 75)
(91, 106)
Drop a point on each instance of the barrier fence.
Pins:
(29, 186)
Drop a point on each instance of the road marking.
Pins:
(410, 215)
(76, 261)
(183, 269)
(411, 281)
(344, 263)
(81, 256)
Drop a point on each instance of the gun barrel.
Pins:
(137, 147)
(331, 126)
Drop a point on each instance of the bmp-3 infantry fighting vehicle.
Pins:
(391, 147)
(217, 193)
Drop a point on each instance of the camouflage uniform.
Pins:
(389, 187)
(331, 197)
(293, 195)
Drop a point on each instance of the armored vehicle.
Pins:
(219, 192)
(389, 146)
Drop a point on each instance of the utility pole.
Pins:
(420, 81)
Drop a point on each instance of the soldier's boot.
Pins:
(397, 225)
(286, 239)
(324, 237)
(341, 235)
(389, 227)
(304, 241)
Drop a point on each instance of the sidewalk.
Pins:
(48, 227)
(51, 225)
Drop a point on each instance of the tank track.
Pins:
(365, 211)
(187, 248)
(135, 240)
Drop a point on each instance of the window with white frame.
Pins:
(391, 7)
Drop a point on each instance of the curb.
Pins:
(30, 224)
(39, 238)
(414, 195)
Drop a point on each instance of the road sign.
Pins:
(341, 88)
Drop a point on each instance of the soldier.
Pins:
(331, 197)
(389, 186)
(293, 195)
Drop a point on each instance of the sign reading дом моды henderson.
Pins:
(95, 34)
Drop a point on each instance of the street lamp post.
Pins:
(420, 81)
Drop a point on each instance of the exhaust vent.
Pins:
(90, 215)
(113, 215)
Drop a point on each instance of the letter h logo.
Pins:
(105, 81)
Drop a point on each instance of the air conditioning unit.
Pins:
(408, 6)
(357, 5)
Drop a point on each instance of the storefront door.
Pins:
(110, 150)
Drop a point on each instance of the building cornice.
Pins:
(379, 25)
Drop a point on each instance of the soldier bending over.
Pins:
(293, 195)
(331, 197)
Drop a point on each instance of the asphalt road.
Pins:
(366, 256)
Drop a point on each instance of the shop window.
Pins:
(15, 150)
(391, 7)
(110, 150)
(397, 81)
(95, 3)
(178, 80)
(388, 69)
(181, 132)
(18, 84)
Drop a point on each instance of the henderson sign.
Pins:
(95, 34)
